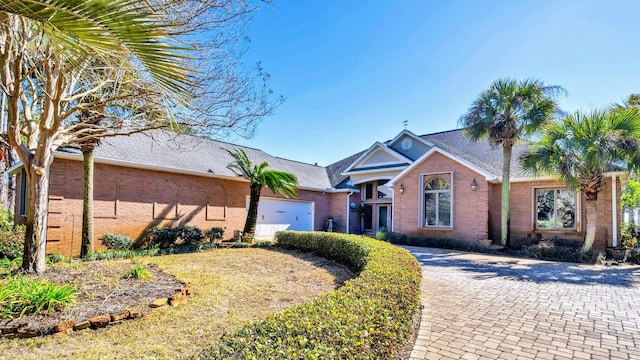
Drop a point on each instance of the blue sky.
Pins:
(352, 71)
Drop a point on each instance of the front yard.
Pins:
(231, 287)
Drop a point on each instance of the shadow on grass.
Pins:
(488, 266)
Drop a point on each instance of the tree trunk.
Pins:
(87, 203)
(252, 214)
(592, 218)
(506, 195)
(35, 244)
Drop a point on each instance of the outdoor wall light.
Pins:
(474, 185)
(401, 188)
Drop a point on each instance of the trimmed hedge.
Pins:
(369, 317)
(452, 244)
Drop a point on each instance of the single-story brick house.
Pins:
(434, 185)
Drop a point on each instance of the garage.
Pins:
(278, 214)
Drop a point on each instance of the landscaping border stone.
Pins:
(66, 327)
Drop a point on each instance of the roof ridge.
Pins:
(441, 132)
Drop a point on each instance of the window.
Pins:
(555, 209)
(383, 190)
(437, 202)
(24, 193)
(368, 191)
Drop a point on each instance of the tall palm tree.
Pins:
(580, 148)
(505, 113)
(279, 182)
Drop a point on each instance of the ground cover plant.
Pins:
(231, 287)
(369, 317)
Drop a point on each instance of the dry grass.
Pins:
(232, 287)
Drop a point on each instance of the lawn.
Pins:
(232, 287)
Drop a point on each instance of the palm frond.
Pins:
(105, 27)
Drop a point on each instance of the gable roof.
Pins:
(479, 153)
(168, 151)
(409, 134)
(435, 149)
(377, 146)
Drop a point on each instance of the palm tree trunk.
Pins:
(35, 242)
(506, 195)
(87, 203)
(592, 218)
(252, 214)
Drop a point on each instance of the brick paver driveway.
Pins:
(491, 307)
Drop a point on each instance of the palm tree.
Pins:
(580, 148)
(505, 113)
(279, 182)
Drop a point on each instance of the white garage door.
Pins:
(276, 215)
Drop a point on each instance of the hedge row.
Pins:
(369, 317)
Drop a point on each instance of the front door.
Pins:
(384, 217)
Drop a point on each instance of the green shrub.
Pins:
(190, 234)
(55, 258)
(116, 241)
(120, 254)
(369, 317)
(382, 234)
(7, 266)
(139, 273)
(125, 254)
(20, 296)
(558, 253)
(162, 237)
(630, 235)
(453, 244)
(215, 233)
(167, 236)
(327, 245)
(240, 244)
(262, 244)
(633, 255)
(6, 218)
(11, 241)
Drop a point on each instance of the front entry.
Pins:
(384, 217)
(375, 217)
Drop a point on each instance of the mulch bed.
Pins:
(101, 287)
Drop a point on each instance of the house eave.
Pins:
(360, 172)
(369, 151)
(549, 177)
(487, 175)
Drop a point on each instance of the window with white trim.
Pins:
(437, 202)
(555, 209)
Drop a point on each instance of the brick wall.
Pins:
(470, 208)
(129, 201)
(522, 215)
(339, 211)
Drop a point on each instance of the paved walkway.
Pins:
(490, 307)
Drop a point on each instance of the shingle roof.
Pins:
(336, 169)
(168, 150)
(478, 153)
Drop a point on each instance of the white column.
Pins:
(614, 212)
